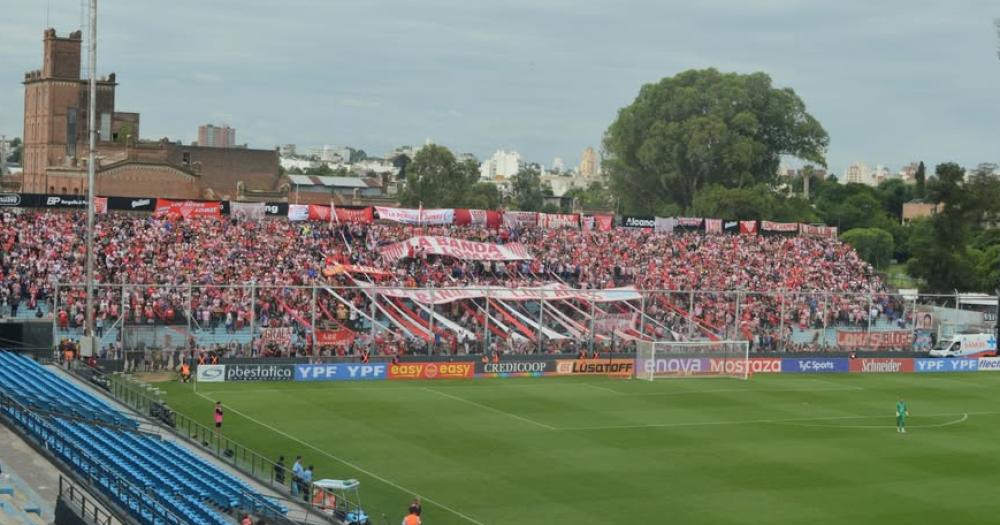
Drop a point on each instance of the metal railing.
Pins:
(146, 399)
(86, 505)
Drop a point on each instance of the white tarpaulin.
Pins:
(416, 215)
(457, 248)
(552, 292)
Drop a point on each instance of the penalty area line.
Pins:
(349, 464)
(491, 409)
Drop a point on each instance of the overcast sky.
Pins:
(891, 80)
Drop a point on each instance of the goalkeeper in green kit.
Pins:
(901, 413)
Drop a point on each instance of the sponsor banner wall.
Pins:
(516, 368)
(673, 366)
(664, 224)
(757, 365)
(131, 203)
(432, 370)
(604, 367)
(989, 364)
(457, 248)
(890, 339)
(249, 211)
(210, 374)
(946, 365)
(638, 221)
(416, 215)
(342, 372)
(817, 365)
(259, 372)
(879, 365)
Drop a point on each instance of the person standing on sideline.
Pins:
(297, 475)
(307, 479)
(412, 516)
(218, 416)
(279, 470)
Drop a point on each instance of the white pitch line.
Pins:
(604, 389)
(486, 407)
(351, 465)
(742, 390)
(758, 421)
(962, 419)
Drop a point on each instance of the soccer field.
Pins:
(818, 449)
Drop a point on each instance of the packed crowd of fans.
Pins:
(224, 275)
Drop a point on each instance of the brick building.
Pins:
(56, 143)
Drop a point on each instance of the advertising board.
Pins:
(755, 365)
(605, 367)
(270, 373)
(989, 364)
(946, 365)
(878, 365)
(211, 373)
(431, 370)
(533, 367)
(819, 365)
(341, 372)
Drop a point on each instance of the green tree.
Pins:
(436, 179)
(595, 196)
(322, 170)
(756, 202)
(893, 193)
(920, 189)
(482, 196)
(526, 190)
(704, 127)
(872, 244)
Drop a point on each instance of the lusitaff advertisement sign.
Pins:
(604, 367)
(341, 372)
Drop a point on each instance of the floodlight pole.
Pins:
(91, 160)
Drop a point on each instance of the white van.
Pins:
(966, 345)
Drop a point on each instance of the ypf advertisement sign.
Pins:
(528, 368)
(341, 372)
(945, 365)
(432, 370)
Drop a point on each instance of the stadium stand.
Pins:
(18, 503)
(157, 481)
(168, 283)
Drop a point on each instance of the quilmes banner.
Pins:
(457, 248)
(341, 372)
(211, 374)
(433, 370)
(519, 368)
(880, 366)
(946, 365)
(603, 367)
(817, 365)
(259, 372)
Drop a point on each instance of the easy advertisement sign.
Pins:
(818, 365)
(432, 370)
(946, 365)
(341, 372)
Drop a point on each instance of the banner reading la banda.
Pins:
(892, 339)
(457, 248)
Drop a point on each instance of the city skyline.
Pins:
(923, 89)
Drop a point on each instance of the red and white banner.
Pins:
(281, 335)
(416, 215)
(713, 225)
(600, 223)
(330, 271)
(689, 222)
(818, 231)
(748, 227)
(298, 212)
(559, 220)
(769, 226)
(518, 219)
(187, 209)
(553, 292)
(337, 337)
(606, 323)
(457, 248)
(319, 213)
(893, 339)
(360, 216)
(487, 218)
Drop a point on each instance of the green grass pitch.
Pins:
(818, 449)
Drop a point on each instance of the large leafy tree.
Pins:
(704, 127)
(436, 179)
(873, 245)
(526, 188)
